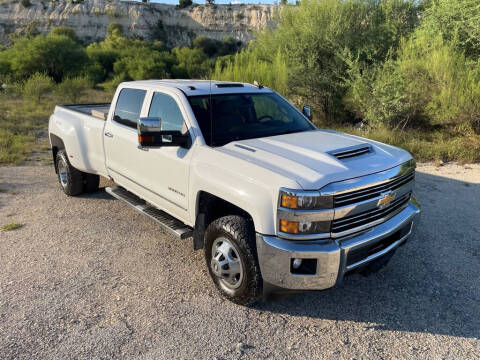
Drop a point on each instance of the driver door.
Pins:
(165, 170)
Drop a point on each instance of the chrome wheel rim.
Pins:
(226, 264)
(62, 172)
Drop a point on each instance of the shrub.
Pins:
(430, 83)
(14, 147)
(55, 55)
(72, 88)
(315, 40)
(191, 63)
(207, 45)
(37, 86)
(65, 31)
(248, 66)
(184, 3)
(456, 21)
(114, 30)
(26, 3)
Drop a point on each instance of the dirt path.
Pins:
(88, 277)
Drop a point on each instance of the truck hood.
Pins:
(307, 158)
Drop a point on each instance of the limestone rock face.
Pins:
(177, 27)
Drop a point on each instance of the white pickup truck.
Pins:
(275, 203)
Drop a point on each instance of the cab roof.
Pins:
(200, 87)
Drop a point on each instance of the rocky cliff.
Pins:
(175, 26)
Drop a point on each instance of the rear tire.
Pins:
(71, 179)
(231, 257)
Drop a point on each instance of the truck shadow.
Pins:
(431, 285)
(101, 194)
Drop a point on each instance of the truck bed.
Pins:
(99, 110)
(81, 128)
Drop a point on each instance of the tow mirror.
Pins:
(150, 134)
(307, 111)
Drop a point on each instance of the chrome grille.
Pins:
(372, 192)
(370, 217)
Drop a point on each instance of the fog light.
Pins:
(297, 263)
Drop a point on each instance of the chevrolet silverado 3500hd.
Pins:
(274, 202)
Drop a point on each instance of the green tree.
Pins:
(55, 55)
(114, 30)
(66, 31)
(118, 59)
(432, 80)
(457, 21)
(318, 38)
(191, 63)
(184, 3)
(209, 46)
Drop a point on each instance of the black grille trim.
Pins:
(371, 192)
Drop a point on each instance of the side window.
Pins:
(166, 108)
(129, 106)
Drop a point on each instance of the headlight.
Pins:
(304, 214)
(304, 200)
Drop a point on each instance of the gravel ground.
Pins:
(88, 277)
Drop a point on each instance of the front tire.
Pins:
(231, 257)
(71, 179)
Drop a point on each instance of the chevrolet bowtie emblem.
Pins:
(386, 199)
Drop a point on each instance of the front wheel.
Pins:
(231, 257)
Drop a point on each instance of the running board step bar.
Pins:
(168, 222)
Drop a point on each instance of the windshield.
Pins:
(245, 116)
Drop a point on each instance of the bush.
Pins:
(114, 30)
(316, 39)
(207, 45)
(430, 83)
(248, 66)
(65, 31)
(184, 3)
(37, 86)
(26, 3)
(55, 55)
(14, 147)
(71, 89)
(457, 22)
(191, 63)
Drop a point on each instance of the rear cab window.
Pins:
(129, 106)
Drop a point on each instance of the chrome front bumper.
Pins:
(333, 257)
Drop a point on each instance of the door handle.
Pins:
(108, 134)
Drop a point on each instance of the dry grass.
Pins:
(22, 120)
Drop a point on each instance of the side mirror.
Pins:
(307, 111)
(150, 134)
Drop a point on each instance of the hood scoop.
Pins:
(352, 151)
